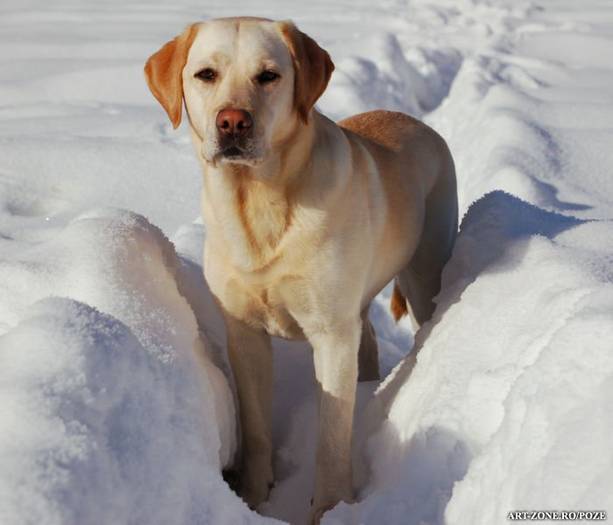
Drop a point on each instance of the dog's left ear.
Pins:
(163, 72)
(312, 67)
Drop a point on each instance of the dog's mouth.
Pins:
(233, 152)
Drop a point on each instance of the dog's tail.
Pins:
(398, 303)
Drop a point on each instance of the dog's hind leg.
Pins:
(419, 291)
(368, 355)
(420, 281)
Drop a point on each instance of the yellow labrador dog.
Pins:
(306, 219)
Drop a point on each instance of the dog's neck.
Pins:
(251, 208)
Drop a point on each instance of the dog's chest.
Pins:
(262, 306)
(278, 322)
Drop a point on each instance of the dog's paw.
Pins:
(317, 513)
(319, 509)
(256, 487)
(252, 491)
(320, 504)
(255, 496)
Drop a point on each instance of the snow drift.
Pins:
(501, 403)
(114, 417)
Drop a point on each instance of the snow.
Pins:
(116, 401)
(110, 413)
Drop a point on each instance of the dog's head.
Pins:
(247, 83)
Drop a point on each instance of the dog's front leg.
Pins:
(335, 353)
(251, 359)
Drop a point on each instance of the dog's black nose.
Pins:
(233, 122)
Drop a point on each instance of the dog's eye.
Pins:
(207, 75)
(267, 76)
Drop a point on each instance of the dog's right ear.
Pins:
(312, 67)
(163, 72)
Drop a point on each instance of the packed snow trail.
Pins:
(114, 403)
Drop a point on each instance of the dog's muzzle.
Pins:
(234, 130)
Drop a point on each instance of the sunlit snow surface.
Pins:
(115, 403)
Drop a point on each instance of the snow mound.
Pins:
(96, 430)
(113, 408)
(519, 400)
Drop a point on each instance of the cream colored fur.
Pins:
(305, 230)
